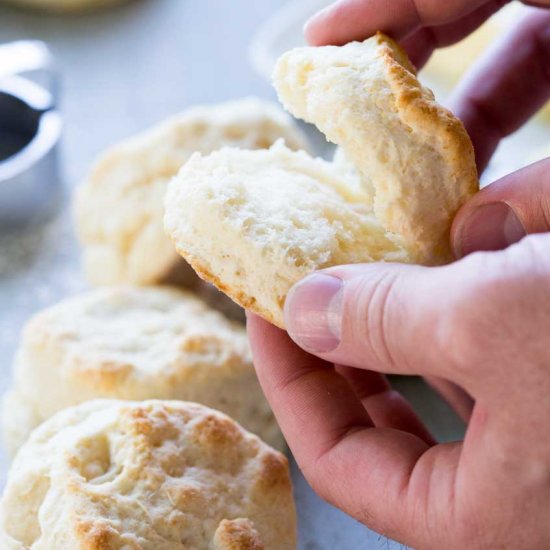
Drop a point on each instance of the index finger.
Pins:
(348, 20)
(375, 474)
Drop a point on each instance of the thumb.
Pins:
(505, 212)
(391, 318)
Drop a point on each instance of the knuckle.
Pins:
(373, 313)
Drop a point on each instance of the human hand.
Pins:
(484, 97)
(479, 323)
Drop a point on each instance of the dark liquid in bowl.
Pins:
(11, 143)
(18, 125)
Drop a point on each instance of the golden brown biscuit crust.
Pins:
(419, 110)
(133, 343)
(415, 157)
(153, 474)
(237, 534)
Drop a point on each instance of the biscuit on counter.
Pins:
(119, 209)
(255, 222)
(154, 475)
(133, 343)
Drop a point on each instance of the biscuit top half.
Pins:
(414, 156)
(155, 475)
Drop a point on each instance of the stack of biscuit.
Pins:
(110, 447)
(108, 384)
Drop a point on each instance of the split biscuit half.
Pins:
(255, 222)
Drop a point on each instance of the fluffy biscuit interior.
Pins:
(256, 222)
(119, 209)
(415, 158)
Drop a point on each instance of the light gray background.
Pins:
(124, 69)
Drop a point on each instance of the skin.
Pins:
(477, 329)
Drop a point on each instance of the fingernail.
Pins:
(493, 226)
(313, 313)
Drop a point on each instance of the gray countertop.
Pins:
(124, 69)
